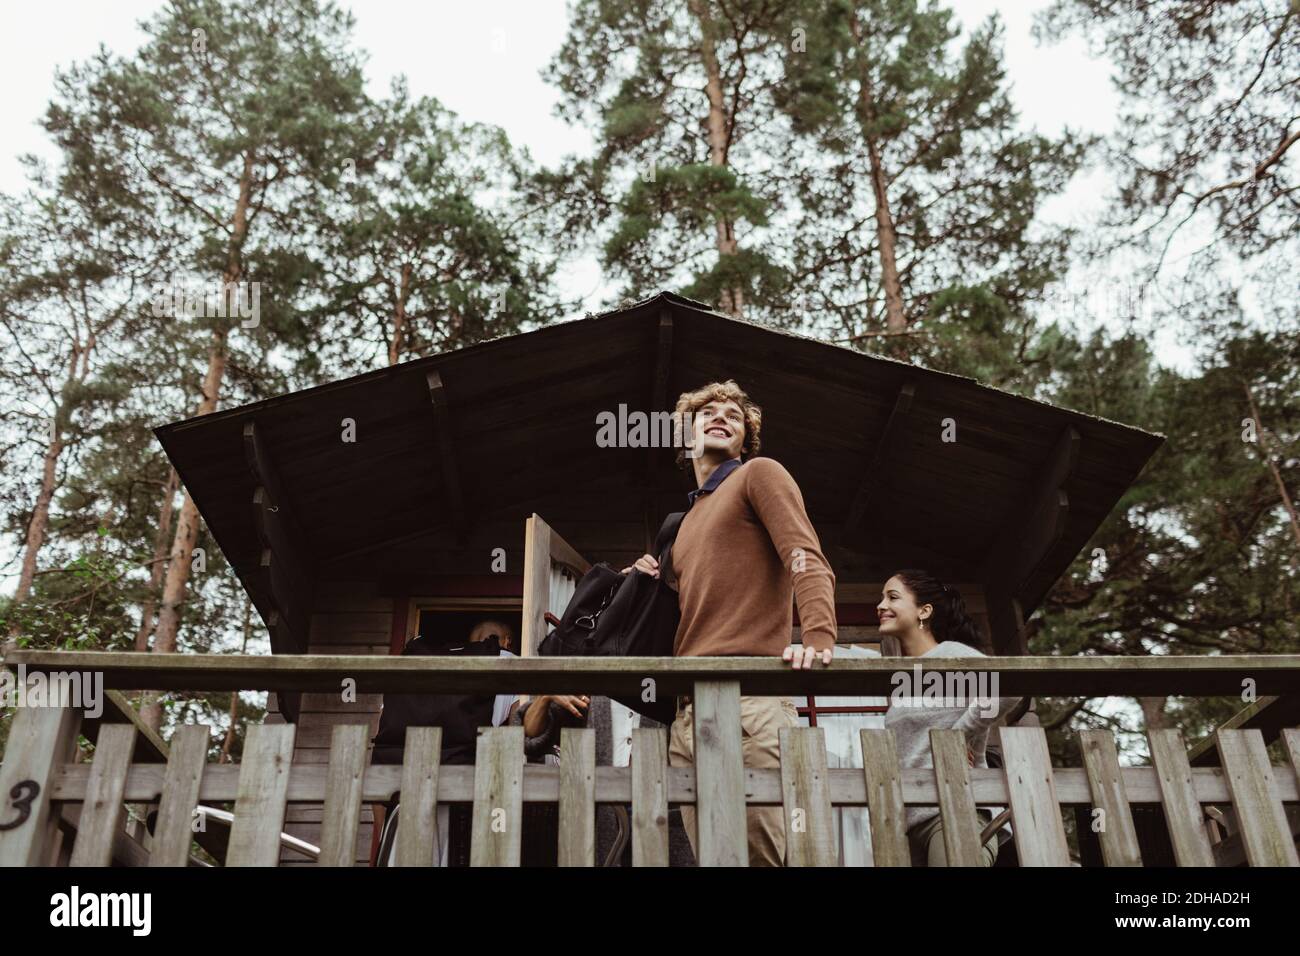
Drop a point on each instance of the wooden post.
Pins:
(1183, 813)
(101, 811)
(719, 775)
(1035, 809)
(649, 797)
(577, 804)
(885, 799)
(961, 835)
(806, 795)
(263, 787)
(1264, 828)
(174, 830)
(41, 741)
(1119, 843)
(417, 820)
(341, 814)
(498, 797)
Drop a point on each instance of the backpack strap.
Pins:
(664, 542)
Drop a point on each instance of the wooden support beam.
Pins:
(1035, 528)
(283, 595)
(895, 428)
(445, 437)
(1007, 623)
(1269, 715)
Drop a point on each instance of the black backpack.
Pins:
(616, 615)
(459, 715)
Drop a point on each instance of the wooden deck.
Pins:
(44, 794)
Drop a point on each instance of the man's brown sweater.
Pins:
(742, 552)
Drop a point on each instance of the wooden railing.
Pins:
(40, 785)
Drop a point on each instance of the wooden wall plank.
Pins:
(805, 787)
(1035, 807)
(263, 786)
(498, 797)
(577, 804)
(649, 796)
(1119, 844)
(173, 831)
(719, 775)
(1183, 814)
(885, 799)
(1260, 814)
(417, 820)
(102, 812)
(961, 836)
(341, 814)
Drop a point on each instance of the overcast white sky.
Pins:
(483, 60)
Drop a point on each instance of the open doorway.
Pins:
(451, 628)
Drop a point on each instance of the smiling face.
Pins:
(898, 611)
(719, 428)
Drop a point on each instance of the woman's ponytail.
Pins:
(951, 621)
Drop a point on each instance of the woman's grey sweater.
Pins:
(966, 705)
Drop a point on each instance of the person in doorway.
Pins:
(929, 619)
(745, 553)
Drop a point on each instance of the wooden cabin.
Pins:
(424, 496)
(472, 483)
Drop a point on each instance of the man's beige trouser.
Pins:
(761, 720)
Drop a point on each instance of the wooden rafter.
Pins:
(285, 579)
(872, 479)
(453, 499)
(658, 402)
(1031, 533)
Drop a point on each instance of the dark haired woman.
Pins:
(930, 620)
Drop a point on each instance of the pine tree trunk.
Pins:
(1265, 444)
(399, 316)
(1153, 712)
(886, 236)
(732, 299)
(187, 526)
(159, 566)
(40, 521)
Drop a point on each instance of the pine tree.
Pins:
(235, 115)
(919, 227)
(691, 155)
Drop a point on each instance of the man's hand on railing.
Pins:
(801, 656)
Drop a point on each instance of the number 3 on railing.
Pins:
(22, 794)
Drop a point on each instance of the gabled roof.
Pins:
(487, 434)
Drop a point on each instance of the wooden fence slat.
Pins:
(1183, 814)
(417, 819)
(1260, 814)
(263, 786)
(1035, 809)
(173, 831)
(341, 814)
(577, 804)
(101, 812)
(961, 837)
(888, 818)
(1119, 844)
(805, 788)
(719, 775)
(41, 740)
(649, 797)
(498, 797)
